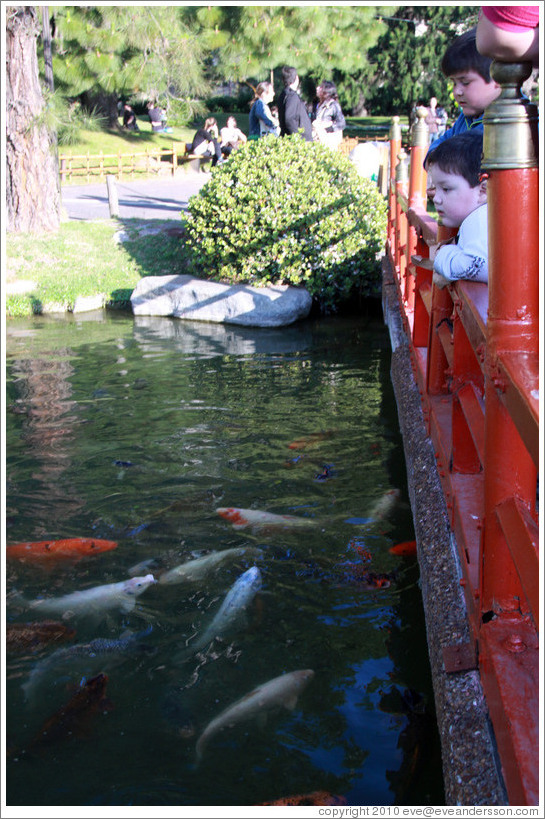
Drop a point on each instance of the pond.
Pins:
(137, 431)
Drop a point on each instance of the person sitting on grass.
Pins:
(460, 201)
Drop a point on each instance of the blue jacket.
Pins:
(461, 125)
(257, 113)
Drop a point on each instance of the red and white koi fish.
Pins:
(282, 691)
(259, 521)
(73, 548)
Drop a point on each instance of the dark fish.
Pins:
(326, 473)
(125, 464)
(31, 636)
(65, 659)
(71, 720)
(366, 581)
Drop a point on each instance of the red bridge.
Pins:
(470, 355)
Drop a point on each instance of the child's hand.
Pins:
(421, 261)
(439, 281)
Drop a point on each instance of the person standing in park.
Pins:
(329, 121)
(432, 120)
(292, 111)
(260, 121)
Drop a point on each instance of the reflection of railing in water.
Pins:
(474, 351)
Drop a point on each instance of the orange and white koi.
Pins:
(260, 521)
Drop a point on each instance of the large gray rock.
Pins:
(189, 298)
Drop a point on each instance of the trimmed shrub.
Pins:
(286, 211)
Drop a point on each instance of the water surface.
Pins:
(138, 430)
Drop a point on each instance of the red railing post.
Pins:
(395, 147)
(510, 159)
(401, 216)
(417, 196)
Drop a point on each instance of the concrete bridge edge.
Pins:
(471, 767)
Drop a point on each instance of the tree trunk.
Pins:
(32, 186)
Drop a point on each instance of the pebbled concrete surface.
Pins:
(471, 770)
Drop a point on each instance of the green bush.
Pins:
(286, 211)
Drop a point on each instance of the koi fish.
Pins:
(314, 798)
(72, 719)
(280, 692)
(68, 658)
(311, 439)
(233, 609)
(73, 548)
(261, 521)
(96, 600)
(385, 504)
(366, 581)
(31, 636)
(195, 570)
(408, 547)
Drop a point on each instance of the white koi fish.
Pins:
(232, 612)
(196, 570)
(261, 522)
(281, 692)
(385, 504)
(96, 600)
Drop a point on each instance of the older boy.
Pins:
(460, 200)
(473, 88)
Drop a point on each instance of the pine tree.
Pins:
(32, 183)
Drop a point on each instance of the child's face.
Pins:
(472, 93)
(454, 198)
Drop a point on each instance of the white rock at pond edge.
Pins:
(199, 300)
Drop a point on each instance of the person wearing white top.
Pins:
(460, 201)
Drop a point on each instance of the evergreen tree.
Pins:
(32, 183)
(102, 53)
(249, 42)
(403, 67)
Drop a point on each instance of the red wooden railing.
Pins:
(475, 356)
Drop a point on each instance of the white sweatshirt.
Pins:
(468, 258)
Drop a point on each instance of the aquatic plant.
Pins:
(286, 211)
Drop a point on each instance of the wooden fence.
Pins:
(160, 161)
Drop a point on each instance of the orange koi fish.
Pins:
(261, 521)
(31, 636)
(310, 440)
(314, 798)
(408, 547)
(73, 548)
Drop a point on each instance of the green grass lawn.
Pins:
(83, 259)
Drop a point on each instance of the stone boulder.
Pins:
(190, 298)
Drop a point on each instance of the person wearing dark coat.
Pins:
(292, 111)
